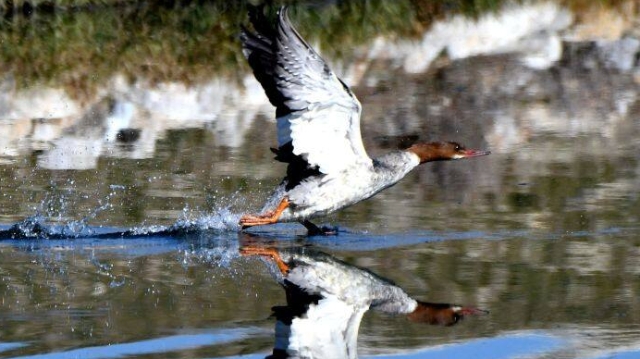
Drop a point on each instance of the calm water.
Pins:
(119, 197)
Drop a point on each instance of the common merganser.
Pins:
(327, 298)
(318, 122)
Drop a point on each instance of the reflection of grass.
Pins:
(84, 42)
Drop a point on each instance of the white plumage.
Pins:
(316, 111)
(318, 123)
(329, 330)
(327, 137)
(322, 195)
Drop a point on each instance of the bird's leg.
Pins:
(269, 217)
(313, 230)
(272, 253)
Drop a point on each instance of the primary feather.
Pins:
(316, 112)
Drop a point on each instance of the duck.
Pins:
(318, 131)
(327, 299)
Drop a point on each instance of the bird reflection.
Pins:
(326, 299)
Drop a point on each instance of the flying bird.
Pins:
(318, 130)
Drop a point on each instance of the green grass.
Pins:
(79, 44)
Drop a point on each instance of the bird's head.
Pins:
(443, 151)
(442, 313)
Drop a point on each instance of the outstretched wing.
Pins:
(316, 112)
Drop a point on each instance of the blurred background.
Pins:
(155, 100)
(143, 116)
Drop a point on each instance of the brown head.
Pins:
(442, 313)
(443, 151)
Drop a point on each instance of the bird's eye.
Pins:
(456, 318)
(457, 148)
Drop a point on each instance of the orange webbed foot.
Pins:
(272, 253)
(269, 217)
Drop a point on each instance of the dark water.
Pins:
(119, 208)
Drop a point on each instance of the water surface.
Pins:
(119, 198)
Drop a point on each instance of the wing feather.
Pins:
(315, 110)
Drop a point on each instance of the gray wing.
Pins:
(315, 110)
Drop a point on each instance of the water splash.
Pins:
(37, 227)
(49, 221)
(221, 220)
(220, 252)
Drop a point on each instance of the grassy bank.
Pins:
(78, 44)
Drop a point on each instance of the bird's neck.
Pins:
(397, 162)
(428, 152)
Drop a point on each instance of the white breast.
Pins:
(322, 195)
